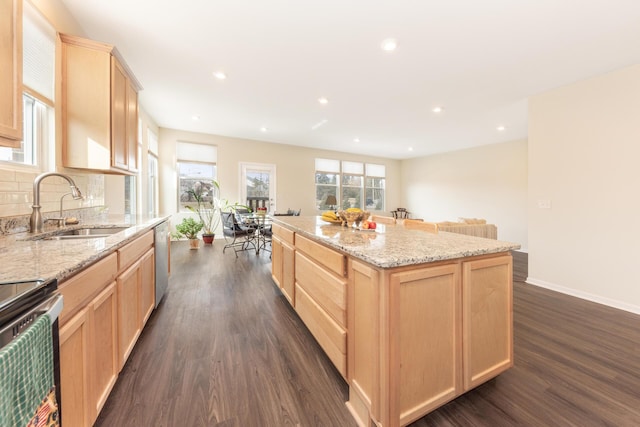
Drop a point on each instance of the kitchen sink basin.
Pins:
(80, 233)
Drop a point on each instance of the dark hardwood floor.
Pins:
(225, 349)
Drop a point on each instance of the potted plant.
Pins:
(208, 212)
(190, 228)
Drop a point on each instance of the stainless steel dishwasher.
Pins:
(161, 237)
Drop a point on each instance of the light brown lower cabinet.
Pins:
(282, 261)
(88, 359)
(104, 348)
(74, 371)
(128, 317)
(135, 292)
(105, 308)
(407, 339)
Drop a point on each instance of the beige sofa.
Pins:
(470, 227)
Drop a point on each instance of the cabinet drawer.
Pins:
(84, 286)
(283, 233)
(330, 258)
(331, 337)
(132, 252)
(324, 287)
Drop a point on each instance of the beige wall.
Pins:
(294, 169)
(487, 182)
(584, 146)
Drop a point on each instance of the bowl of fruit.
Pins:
(353, 216)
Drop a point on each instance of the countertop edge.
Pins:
(490, 247)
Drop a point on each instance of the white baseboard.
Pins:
(585, 295)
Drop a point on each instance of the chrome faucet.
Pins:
(36, 222)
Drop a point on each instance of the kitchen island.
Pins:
(410, 319)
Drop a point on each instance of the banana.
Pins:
(354, 210)
(329, 215)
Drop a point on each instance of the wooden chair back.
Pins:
(416, 224)
(383, 219)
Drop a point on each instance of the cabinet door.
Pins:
(119, 153)
(147, 286)
(276, 260)
(426, 356)
(74, 370)
(84, 110)
(104, 351)
(132, 128)
(11, 75)
(128, 308)
(288, 272)
(488, 318)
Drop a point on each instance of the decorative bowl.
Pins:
(353, 217)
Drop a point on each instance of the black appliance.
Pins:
(21, 303)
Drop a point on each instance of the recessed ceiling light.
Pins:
(263, 129)
(219, 75)
(410, 148)
(195, 118)
(389, 45)
(356, 139)
(323, 100)
(437, 110)
(501, 128)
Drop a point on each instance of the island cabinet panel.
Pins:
(425, 337)
(331, 336)
(276, 261)
(326, 288)
(364, 356)
(282, 262)
(488, 318)
(407, 337)
(331, 259)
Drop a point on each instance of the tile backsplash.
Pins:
(16, 193)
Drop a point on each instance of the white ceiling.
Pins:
(478, 59)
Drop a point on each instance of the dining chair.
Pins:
(383, 219)
(237, 236)
(417, 224)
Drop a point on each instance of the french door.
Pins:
(258, 185)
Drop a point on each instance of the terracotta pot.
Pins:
(208, 238)
(194, 243)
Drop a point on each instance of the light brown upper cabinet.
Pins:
(11, 73)
(99, 107)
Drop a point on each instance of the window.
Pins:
(152, 176)
(374, 187)
(353, 184)
(39, 41)
(327, 183)
(197, 170)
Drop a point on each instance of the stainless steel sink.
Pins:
(80, 233)
(93, 231)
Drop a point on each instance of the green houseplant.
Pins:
(208, 212)
(190, 228)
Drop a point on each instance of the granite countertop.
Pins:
(25, 259)
(393, 245)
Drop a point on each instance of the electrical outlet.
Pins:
(544, 204)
